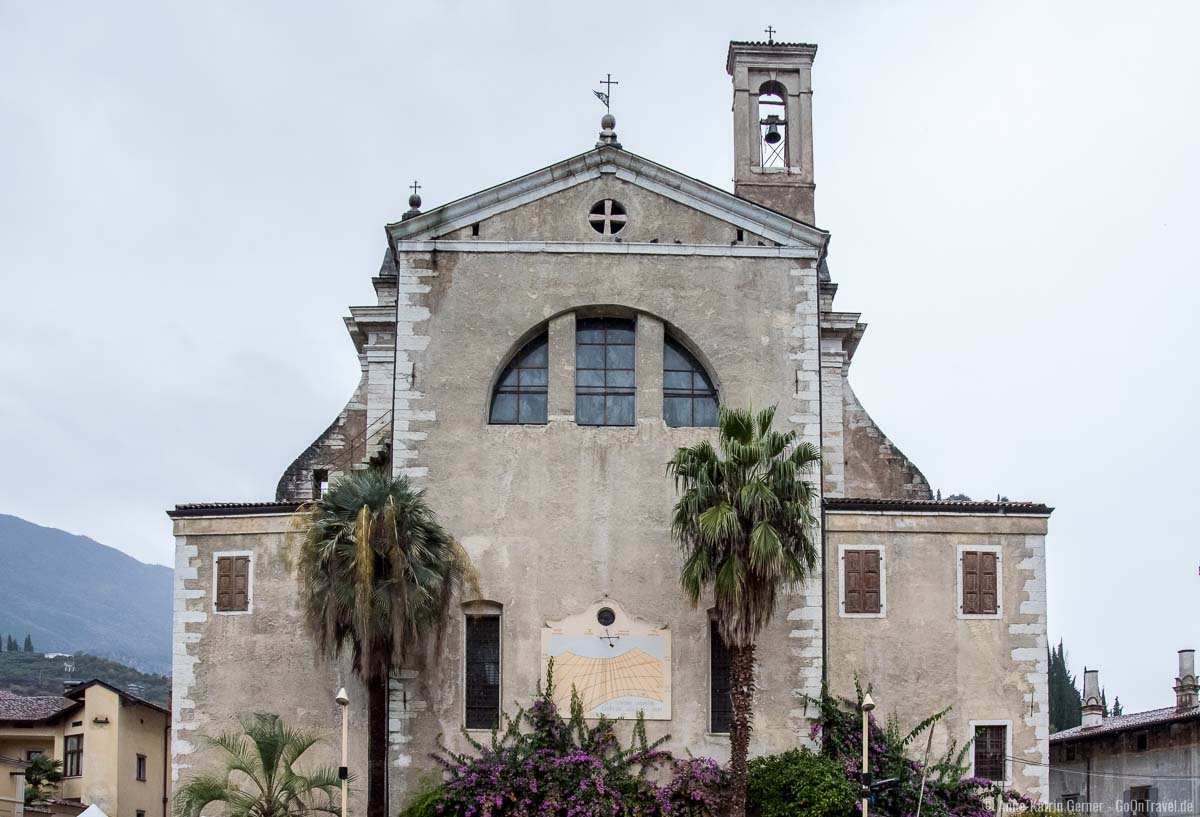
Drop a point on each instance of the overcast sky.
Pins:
(191, 194)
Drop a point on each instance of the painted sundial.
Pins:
(620, 665)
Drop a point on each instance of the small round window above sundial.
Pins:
(607, 217)
(605, 616)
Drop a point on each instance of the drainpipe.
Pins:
(167, 751)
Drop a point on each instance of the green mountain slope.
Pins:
(31, 673)
(73, 594)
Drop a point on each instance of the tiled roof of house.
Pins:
(1123, 723)
(32, 708)
(936, 506)
(231, 509)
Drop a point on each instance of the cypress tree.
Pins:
(28, 643)
(1064, 694)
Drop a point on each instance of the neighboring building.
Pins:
(1145, 762)
(113, 745)
(536, 354)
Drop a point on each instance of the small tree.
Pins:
(261, 777)
(28, 644)
(42, 777)
(745, 524)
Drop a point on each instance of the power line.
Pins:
(1113, 775)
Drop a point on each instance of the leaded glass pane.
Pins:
(520, 396)
(604, 371)
(689, 398)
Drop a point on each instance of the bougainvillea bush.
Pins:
(946, 791)
(544, 765)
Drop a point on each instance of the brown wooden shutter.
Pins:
(862, 581)
(241, 583)
(979, 582)
(224, 583)
(870, 580)
(233, 584)
(987, 583)
(853, 577)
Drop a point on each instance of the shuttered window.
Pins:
(861, 578)
(979, 586)
(990, 743)
(483, 672)
(233, 584)
(720, 668)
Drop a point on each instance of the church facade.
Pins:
(536, 354)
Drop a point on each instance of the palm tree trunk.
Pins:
(742, 671)
(377, 746)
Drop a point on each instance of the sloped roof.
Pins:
(77, 693)
(937, 506)
(33, 708)
(191, 509)
(779, 227)
(1124, 723)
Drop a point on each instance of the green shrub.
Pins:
(425, 803)
(799, 782)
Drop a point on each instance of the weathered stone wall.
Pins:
(557, 516)
(873, 465)
(229, 665)
(922, 654)
(1102, 770)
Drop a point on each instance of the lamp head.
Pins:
(342, 698)
(868, 704)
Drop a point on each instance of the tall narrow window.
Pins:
(772, 123)
(861, 581)
(990, 743)
(483, 672)
(233, 584)
(141, 768)
(979, 582)
(73, 756)
(689, 398)
(604, 371)
(520, 396)
(720, 662)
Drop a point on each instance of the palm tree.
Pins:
(261, 778)
(42, 776)
(377, 574)
(745, 526)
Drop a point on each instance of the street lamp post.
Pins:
(343, 700)
(867, 705)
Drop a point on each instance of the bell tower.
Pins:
(772, 125)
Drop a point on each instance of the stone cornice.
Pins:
(606, 248)
(626, 166)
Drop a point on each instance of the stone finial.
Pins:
(608, 136)
(1092, 709)
(414, 207)
(1187, 686)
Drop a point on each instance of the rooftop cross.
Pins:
(770, 35)
(605, 96)
(415, 187)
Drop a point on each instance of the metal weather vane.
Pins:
(605, 96)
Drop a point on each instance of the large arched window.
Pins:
(520, 395)
(689, 398)
(604, 369)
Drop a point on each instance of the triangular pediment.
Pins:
(660, 206)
